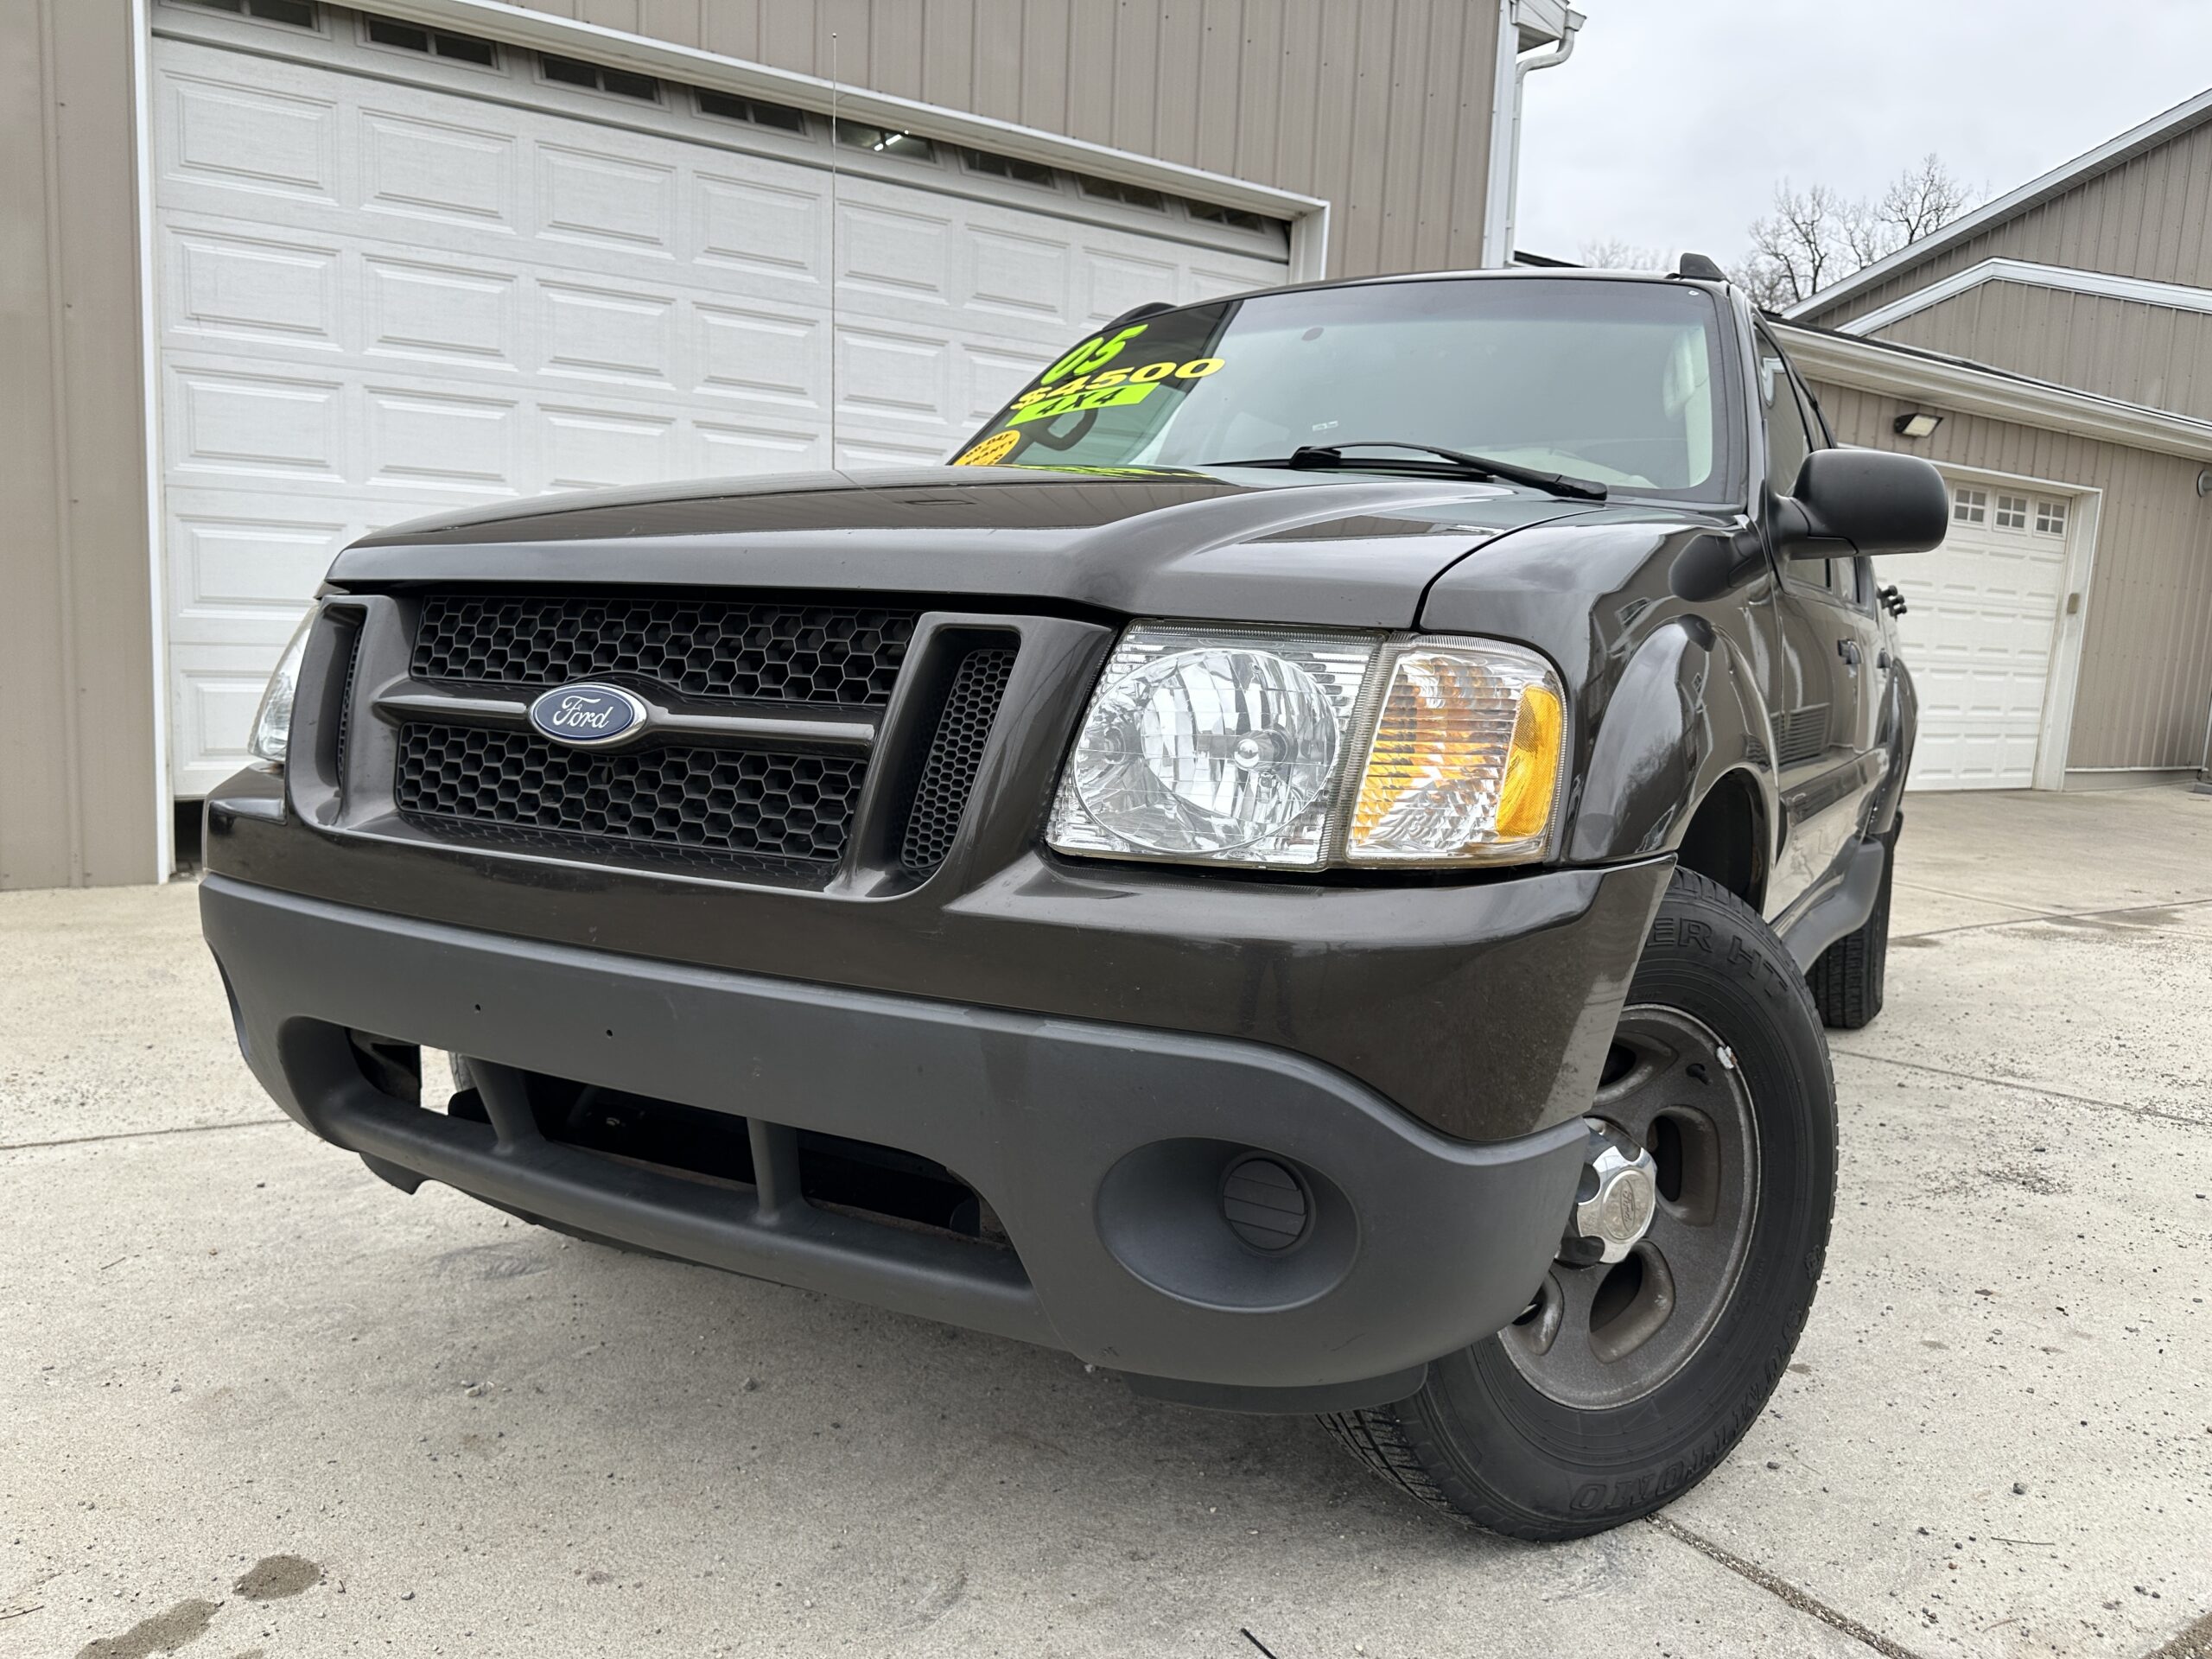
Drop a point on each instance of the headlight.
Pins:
(1217, 745)
(272, 722)
(1235, 747)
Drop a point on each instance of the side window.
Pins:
(1786, 441)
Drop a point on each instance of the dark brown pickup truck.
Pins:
(1307, 869)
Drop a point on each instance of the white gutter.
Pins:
(2110, 154)
(1956, 386)
(1501, 193)
(2177, 296)
(566, 37)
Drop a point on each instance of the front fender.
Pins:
(1685, 712)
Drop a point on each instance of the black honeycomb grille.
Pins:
(955, 750)
(708, 648)
(747, 804)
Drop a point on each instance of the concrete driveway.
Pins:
(253, 1401)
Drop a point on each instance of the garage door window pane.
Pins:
(2051, 518)
(1970, 506)
(2011, 512)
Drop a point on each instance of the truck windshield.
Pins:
(1609, 381)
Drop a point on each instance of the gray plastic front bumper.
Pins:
(1098, 1146)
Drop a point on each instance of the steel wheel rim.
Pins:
(1600, 1336)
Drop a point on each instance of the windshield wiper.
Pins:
(1320, 456)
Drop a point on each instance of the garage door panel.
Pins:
(607, 333)
(902, 254)
(593, 196)
(1022, 276)
(759, 355)
(467, 315)
(752, 226)
(254, 425)
(232, 574)
(254, 287)
(379, 299)
(418, 169)
(888, 375)
(240, 137)
(442, 439)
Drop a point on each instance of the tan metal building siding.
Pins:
(77, 749)
(1383, 107)
(2149, 217)
(2146, 653)
(2150, 354)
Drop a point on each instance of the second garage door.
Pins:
(401, 269)
(1978, 634)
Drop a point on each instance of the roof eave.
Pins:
(2114, 152)
(1956, 384)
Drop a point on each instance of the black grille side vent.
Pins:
(1801, 734)
(345, 700)
(749, 803)
(955, 750)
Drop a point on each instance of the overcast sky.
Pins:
(1671, 124)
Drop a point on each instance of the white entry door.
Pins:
(400, 270)
(1978, 634)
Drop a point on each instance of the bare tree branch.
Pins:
(1614, 254)
(1920, 199)
(1817, 236)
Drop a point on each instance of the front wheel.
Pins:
(1633, 1373)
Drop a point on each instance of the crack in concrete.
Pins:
(1787, 1593)
(2155, 1112)
(140, 1135)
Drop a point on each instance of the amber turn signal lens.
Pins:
(1465, 764)
(1524, 802)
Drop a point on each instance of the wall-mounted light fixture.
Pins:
(1917, 424)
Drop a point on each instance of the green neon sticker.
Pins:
(1045, 409)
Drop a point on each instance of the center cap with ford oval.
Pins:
(588, 716)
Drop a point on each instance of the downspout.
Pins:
(1502, 199)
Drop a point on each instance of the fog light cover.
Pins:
(1465, 764)
(1213, 745)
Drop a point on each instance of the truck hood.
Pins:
(1248, 544)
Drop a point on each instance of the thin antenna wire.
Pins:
(833, 248)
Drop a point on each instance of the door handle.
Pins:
(1848, 650)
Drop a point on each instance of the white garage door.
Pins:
(1982, 613)
(400, 270)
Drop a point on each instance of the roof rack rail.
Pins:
(1700, 267)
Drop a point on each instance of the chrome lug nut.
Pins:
(1613, 1206)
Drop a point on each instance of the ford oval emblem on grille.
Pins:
(588, 717)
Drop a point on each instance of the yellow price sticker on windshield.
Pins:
(1150, 374)
(991, 451)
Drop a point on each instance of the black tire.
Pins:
(1482, 1440)
(1846, 981)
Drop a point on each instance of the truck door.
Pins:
(1828, 667)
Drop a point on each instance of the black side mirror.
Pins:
(1878, 501)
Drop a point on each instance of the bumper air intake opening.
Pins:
(854, 1177)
